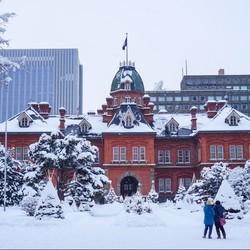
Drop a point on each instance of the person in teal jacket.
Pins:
(208, 218)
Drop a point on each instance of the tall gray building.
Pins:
(49, 75)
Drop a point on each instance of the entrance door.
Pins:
(129, 186)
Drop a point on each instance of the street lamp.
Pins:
(6, 137)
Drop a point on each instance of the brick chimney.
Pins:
(62, 112)
(34, 105)
(211, 108)
(221, 72)
(44, 109)
(220, 104)
(193, 118)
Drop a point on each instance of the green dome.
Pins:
(127, 73)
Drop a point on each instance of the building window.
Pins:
(128, 121)
(216, 153)
(232, 121)
(187, 156)
(97, 157)
(127, 86)
(168, 184)
(169, 98)
(123, 154)
(239, 152)
(115, 101)
(161, 185)
(180, 156)
(142, 153)
(153, 98)
(161, 98)
(167, 156)
(84, 128)
(160, 156)
(178, 98)
(127, 99)
(25, 153)
(187, 183)
(183, 156)
(115, 153)
(236, 152)
(18, 153)
(24, 122)
(185, 98)
(135, 154)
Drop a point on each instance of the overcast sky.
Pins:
(210, 34)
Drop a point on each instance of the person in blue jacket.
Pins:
(208, 218)
(219, 213)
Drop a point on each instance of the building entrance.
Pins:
(129, 186)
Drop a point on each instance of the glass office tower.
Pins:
(49, 75)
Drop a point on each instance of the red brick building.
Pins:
(136, 146)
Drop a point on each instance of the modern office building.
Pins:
(49, 75)
(196, 90)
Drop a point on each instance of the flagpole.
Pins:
(127, 50)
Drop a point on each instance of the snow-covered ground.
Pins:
(110, 227)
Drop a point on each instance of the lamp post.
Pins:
(6, 151)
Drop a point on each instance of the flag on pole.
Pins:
(125, 44)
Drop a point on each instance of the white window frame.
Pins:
(25, 153)
(135, 154)
(161, 185)
(167, 156)
(122, 153)
(115, 154)
(142, 153)
(160, 156)
(168, 185)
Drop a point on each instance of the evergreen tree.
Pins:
(6, 65)
(180, 193)
(152, 195)
(32, 188)
(209, 184)
(51, 152)
(111, 197)
(13, 178)
(49, 204)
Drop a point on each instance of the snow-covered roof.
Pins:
(217, 123)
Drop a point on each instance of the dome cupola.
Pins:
(127, 78)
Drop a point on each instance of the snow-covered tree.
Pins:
(180, 192)
(209, 183)
(49, 204)
(32, 187)
(136, 204)
(13, 178)
(51, 152)
(228, 199)
(6, 65)
(152, 195)
(111, 195)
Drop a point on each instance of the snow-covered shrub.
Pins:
(152, 195)
(136, 204)
(29, 204)
(49, 204)
(111, 196)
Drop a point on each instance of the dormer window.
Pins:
(128, 118)
(24, 120)
(172, 126)
(233, 119)
(85, 126)
(127, 86)
(128, 122)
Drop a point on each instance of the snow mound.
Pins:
(142, 220)
(107, 209)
